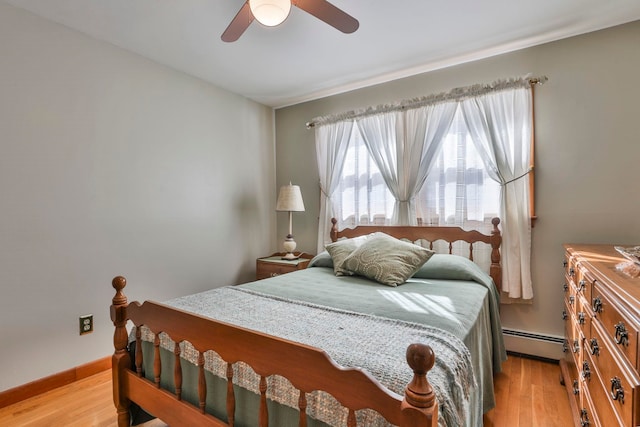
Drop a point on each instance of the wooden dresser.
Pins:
(602, 320)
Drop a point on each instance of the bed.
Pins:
(312, 348)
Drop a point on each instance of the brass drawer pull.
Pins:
(274, 274)
(565, 287)
(581, 317)
(597, 305)
(617, 392)
(621, 336)
(595, 349)
(572, 272)
(572, 299)
(565, 346)
(565, 263)
(583, 285)
(564, 315)
(576, 389)
(586, 372)
(576, 346)
(584, 418)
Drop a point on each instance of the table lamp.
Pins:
(290, 200)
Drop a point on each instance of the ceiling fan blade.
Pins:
(239, 24)
(328, 13)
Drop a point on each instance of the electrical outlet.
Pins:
(86, 324)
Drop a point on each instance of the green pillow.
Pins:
(340, 250)
(448, 267)
(323, 259)
(386, 259)
(453, 267)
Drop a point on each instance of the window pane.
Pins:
(363, 195)
(458, 191)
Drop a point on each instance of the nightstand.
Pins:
(274, 265)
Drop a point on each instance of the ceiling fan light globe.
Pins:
(270, 12)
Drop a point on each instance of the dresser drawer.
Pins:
(584, 283)
(600, 401)
(583, 316)
(616, 378)
(573, 359)
(588, 413)
(570, 268)
(573, 381)
(570, 296)
(620, 330)
(573, 336)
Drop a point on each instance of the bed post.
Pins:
(419, 398)
(495, 271)
(334, 230)
(120, 360)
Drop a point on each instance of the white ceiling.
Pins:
(305, 59)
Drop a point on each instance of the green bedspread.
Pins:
(448, 292)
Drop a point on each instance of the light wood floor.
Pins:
(528, 393)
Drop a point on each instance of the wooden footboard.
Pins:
(307, 368)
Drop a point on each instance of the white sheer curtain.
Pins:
(332, 142)
(403, 145)
(362, 196)
(500, 124)
(459, 192)
(383, 136)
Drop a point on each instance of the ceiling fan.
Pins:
(274, 12)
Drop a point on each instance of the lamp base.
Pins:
(289, 246)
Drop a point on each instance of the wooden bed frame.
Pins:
(307, 368)
(433, 234)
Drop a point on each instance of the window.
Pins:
(362, 195)
(461, 162)
(458, 190)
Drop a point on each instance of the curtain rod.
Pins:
(453, 95)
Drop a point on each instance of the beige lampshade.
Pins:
(290, 199)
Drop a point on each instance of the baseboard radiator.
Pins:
(531, 344)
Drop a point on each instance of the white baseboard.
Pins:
(545, 346)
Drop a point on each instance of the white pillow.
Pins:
(386, 259)
(341, 249)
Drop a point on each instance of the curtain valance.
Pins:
(457, 94)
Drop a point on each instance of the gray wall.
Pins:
(111, 164)
(587, 151)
